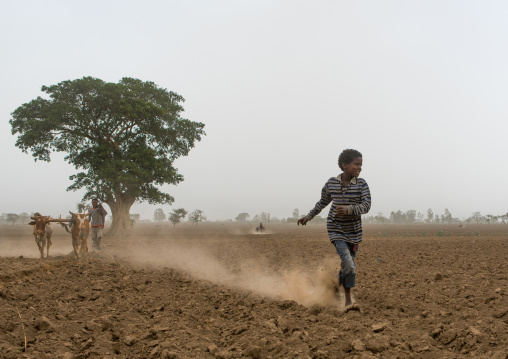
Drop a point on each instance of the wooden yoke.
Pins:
(61, 221)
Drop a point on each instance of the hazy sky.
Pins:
(419, 87)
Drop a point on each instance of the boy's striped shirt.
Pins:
(356, 197)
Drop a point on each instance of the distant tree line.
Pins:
(177, 215)
(265, 217)
(11, 218)
(396, 217)
(411, 217)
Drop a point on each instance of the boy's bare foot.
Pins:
(352, 307)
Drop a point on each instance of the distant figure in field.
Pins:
(97, 216)
(261, 228)
(350, 197)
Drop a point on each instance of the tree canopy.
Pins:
(159, 215)
(123, 138)
(242, 217)
(12, 217)
(177, 215)
(197, 216)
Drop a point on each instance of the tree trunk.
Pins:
(120, 208)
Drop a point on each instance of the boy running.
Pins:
(351, 198)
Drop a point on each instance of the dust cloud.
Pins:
(29, 249)
(315, 287)
(240, 266)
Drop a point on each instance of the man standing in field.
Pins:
(97, 216)
(351, 198)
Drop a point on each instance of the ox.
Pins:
(42, 232)
(80, 229)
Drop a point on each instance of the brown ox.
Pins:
(80, 229)
(42, 233)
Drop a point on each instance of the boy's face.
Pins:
(354, 168)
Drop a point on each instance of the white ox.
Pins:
(80, 229)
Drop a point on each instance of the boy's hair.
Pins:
(347, 156)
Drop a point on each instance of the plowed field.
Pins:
(223, 291)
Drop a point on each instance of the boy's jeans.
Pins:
(347, 252)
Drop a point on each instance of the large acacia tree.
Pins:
(123, 138)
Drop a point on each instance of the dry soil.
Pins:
(223, 291)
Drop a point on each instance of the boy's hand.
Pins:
(341, 210)
(303, 221)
